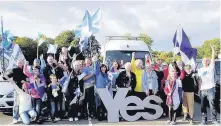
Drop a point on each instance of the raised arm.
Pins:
(25, 70)
(133, 65)
(147, 59)
(213, 55)
(43, 64)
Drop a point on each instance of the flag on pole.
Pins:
(7, 40)
(11, 57)
(183, 48)
(96, 22)
(41, 39)
(52, 48)
(90, 25)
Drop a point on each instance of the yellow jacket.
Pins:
(138, 74)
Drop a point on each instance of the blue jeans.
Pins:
(210, 94)
(15, 106)
(25, 116)
(37, 103)
(55, 109)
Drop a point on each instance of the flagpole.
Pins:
(3, 58)
(174, 55)
(37, 50)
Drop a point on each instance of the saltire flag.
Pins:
(183, 48)
(11, 57)
(52, 48)
(7, 40)
(90, 25)
(41, 39)
(96, 22)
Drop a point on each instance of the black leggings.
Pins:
(89, 100)
(172, 114)
(71, 109)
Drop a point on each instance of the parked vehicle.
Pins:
(6, 95)
(217, 81)
(119, 48)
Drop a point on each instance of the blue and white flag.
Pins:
(90, 25)
(41, 39)
(11, 57)
(52, 48)
(183, 48)
(96, 22)
(7, 40)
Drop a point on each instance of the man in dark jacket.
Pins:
(52, 68)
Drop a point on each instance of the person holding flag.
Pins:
(41, 39)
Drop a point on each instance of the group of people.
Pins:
(67, 87)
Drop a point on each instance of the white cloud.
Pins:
(159, 20)
(12, 16)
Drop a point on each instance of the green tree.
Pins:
(205, 49)
(94, 49)
(28, 47)
(65, 38)
(147, 39)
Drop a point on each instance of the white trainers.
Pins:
(71, 119)
(57, 119)
(19, 119)
(168, 122)
(76, 119)
(14, 121)
(173, 123)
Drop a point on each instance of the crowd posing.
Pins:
(66, 88)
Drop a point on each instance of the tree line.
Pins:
(66, 38)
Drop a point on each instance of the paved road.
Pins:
(6, 118)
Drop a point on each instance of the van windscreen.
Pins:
(124, 56)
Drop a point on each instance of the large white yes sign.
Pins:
(120, 103)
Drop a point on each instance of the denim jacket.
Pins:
(146, 80)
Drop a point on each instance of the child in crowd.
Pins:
(55, 98)
(37, 92)
(173, 90)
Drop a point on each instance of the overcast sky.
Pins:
(200, 20)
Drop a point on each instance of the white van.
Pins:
(120, 49)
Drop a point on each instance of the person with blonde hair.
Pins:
(137, 69)
(173, 90)
(126, 79)
(55, 97)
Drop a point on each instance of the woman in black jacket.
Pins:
(75, 88)
(126, 79)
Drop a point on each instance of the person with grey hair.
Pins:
(149, 80)
(126, 79)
